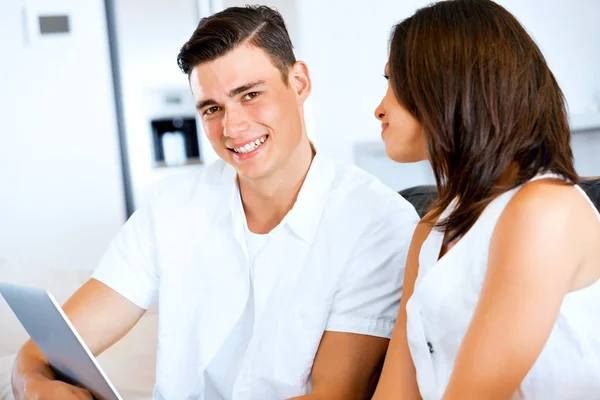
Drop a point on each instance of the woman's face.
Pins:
(402, 134)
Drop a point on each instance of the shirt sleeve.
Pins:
(128, 266)
(368, 298)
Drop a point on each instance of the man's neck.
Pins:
(267, 201)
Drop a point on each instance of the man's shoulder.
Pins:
(362, 212)
(355, 189)
(191, 186)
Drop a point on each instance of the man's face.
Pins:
(251, 117)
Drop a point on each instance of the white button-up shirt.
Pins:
(336, 263)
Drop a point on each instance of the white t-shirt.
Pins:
(223, 370)
(336, 263)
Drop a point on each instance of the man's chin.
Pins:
(252, 171)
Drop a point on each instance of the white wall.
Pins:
(61, 196)
(586, 149)
(345, 45)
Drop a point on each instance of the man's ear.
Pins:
(300, 79)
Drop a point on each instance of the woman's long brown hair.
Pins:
(488, 103)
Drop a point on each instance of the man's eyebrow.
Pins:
(234, 92)
(203, 103)
(243, 88)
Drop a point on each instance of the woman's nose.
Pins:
(379, 113)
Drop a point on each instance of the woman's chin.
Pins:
(403, 156)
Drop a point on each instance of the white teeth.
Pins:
(250, 146)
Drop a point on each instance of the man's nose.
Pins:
(236, 123)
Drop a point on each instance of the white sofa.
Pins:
(129, 364)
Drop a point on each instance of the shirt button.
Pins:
(430, 347)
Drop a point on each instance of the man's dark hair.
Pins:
(222, 32)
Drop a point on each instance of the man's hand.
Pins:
(42, 388)
(101, 316)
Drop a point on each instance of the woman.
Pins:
(502, 291)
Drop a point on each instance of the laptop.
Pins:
(52, 332)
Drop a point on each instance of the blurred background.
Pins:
(94, 110)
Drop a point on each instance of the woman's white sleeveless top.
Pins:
(444, 299)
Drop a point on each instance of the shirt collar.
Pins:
(304, 217)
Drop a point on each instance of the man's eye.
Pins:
(211, 110)
(250, 96)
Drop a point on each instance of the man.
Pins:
(277, 273)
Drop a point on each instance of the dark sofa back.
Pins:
(421, 197)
